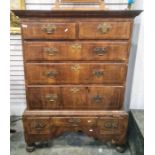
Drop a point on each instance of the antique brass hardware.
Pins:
(104, 27)
(98, 73)
(49, 29)
(75, 67)
(99, 51)
(76, 46)
(50, 50)
(97, 98)
(74, 120)
(39, 125)
(110, 125)
(51, 97)
(74, 90)
(51, 74)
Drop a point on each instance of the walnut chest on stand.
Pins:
(75, 64)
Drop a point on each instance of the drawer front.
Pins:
(108, 125)
(75, 51)
(37, 125)
(106, 97)
(45, 30)
(104, 30)
(76, 97)
(44, 98)
(73, 121)
(73, 73)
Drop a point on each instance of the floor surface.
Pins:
(138, 116)
(67, 144)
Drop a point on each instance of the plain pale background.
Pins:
(134, 91)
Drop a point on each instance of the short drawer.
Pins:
(112, 124)
(75, 97)
(104, 30)
(73, 73)
(44, 98)
(43, 30)
(108, 125)
(106, 97)
(73, 121)
(37, 125)
(44, 51)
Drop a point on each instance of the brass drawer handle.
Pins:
(110, 125)
(104, 27)
(50, 51)
(99, 51)
(74, 120)
(97, 99)
(74, 90)
(75, 67)
(76, 46)
(51, 74)
(49, 28)
(98, 73)
(51, 97)
(39, 126)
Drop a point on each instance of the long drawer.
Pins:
(75, 97)
(75, 73)
(91, 50)
(110, 126)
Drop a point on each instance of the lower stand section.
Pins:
(110, 127)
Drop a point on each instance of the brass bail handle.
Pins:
(104, 27)
(98, 73)
(110, 125)
(51, 74)
(97, 99)
(39, 125)
(100, 51)
(74, 120)
(51, 97)
(49, 28)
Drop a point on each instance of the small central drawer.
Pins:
(104, 30)
(102, 50)
(73, 121)
(45, 30)
(76, 73)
